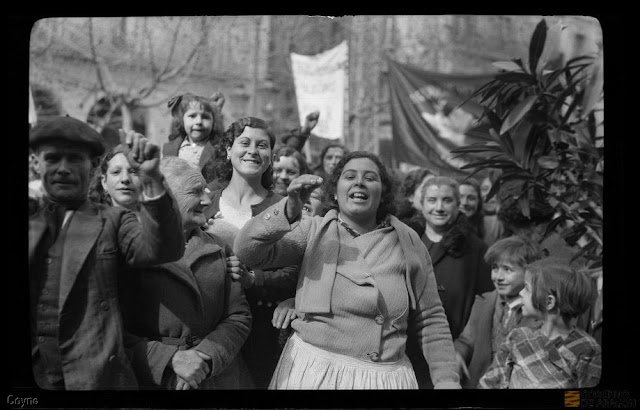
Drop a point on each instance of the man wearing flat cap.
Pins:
(76, 248)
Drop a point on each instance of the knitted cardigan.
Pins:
(269, 240)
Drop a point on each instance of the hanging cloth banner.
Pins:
(320, 81)
(426, 120)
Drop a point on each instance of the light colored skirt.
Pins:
(304, 366)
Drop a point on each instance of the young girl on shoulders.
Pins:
(196, 128)
(558, 355)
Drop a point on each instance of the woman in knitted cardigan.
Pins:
(366, 285)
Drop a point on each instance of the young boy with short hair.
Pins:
(494, 314)
(557, 355)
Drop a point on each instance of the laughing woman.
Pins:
(366, 284)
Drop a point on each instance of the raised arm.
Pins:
(158, 237)
(270, 240)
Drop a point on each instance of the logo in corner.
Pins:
(571, 399)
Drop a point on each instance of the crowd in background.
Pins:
(228, 260)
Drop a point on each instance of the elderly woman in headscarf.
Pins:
(187, 319)
(366, 285)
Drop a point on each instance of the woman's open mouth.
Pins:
(358, 196)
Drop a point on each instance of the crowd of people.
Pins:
(228, 260)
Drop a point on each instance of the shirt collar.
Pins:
(384, 224)
(511, 303)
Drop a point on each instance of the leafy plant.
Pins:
(545, 133)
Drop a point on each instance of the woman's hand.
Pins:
(239, 272)
(462, 366)
(190, 366)
(182, 384)
(298, 194)
(284, 314)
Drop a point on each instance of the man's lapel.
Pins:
(84, 229)
(37, 227)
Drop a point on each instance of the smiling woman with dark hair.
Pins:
(366, 285)
(244, 161)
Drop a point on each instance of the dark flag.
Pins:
(426, 120)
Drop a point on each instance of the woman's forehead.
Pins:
(284, 161)
(361, 164)
(443, 190)
(253, 133)
(334, 150)
(118, 159)
(196, 105)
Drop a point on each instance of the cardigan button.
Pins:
(379, 319)
(104, 305)
(276, 212)
(267, 216)
(374, 356)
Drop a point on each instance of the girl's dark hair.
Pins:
(180, 105)
(224, 169)
(387, 204)
(573, 290)
(287, 151)
(97, 193)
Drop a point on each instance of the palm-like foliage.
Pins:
(544, 133)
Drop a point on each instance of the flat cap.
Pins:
(69, 129)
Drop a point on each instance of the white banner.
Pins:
(320, 81)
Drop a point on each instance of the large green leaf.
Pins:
(551, 51)
(520, 133)
(517, 113)
(477, 149)
(537, 44)
(494, 119)
(531, 145)
(507, 65)
(483, 135)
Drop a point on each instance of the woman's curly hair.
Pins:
(97, 193)
(223, 167)
(387, 199)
